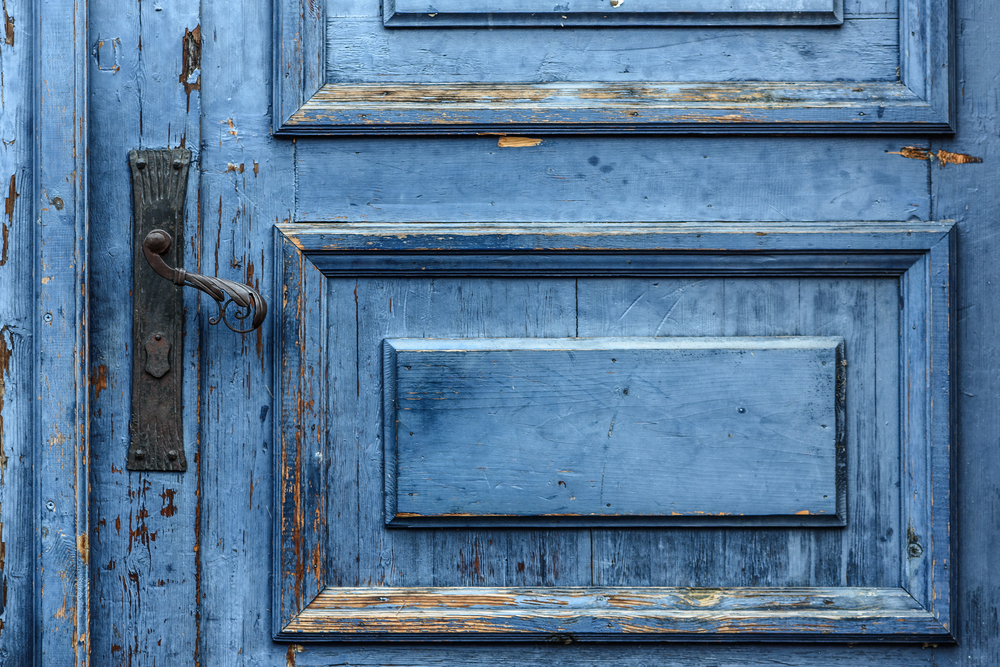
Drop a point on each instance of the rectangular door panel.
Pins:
(635, 66)
(847, 325)
(631, 431)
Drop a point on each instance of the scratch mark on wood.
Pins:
(517, 142)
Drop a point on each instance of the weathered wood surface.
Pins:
(144, 93)
(442, 300)
(970, 195)
(301, 432)
(389, 308)
(18, 331)
(746, 174)
(441, 13)
(854, 309)
(247, 186)
(603, 614)
(612, 430)
(561, 650)
(586, 179)
(590, 107)
(61, 448)
(894, 246)
(909, 93)
(684, 67)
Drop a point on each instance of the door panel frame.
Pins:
(307, 608)
(921, 100)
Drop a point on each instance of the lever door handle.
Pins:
(226, 293)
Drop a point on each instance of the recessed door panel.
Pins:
(398, 350)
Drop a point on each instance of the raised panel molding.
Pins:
(310, 604)
(450, 13)
(919, 101)
(744, 431)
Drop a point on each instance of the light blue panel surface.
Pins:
(601, 13)
(362, 50)
(612, 429)
(586, 179)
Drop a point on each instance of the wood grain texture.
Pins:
(807, 306)
(970, 196)
(672, 67)
(622, 179)
(561, 650)
(965, 193)
(18, 331)
(61, 451)
(441, 13)
(301, 433)
(895, 247)
(603, 614)
(612, 430)
(246, 187)
(393, 308)
(144, 93)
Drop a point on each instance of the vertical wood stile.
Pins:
(144, 93)
(18, 329)
(62, 454)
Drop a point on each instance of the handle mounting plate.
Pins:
(159, 183)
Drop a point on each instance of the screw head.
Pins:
(177, 163)
(141, 163)
(172, 454)
(50, 506)
(157, 336)
(140, 454)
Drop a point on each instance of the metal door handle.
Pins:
(225, 292)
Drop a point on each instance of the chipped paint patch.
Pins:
(290, 654)
(190, 76)
(99, 380)
(83, 547)
(943, 157)
(5, 354)
(8, 23)
(168, 509)
(12, 195)
(517, 142)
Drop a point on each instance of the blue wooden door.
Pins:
(598, 333)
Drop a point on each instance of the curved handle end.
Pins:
(226, 293)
